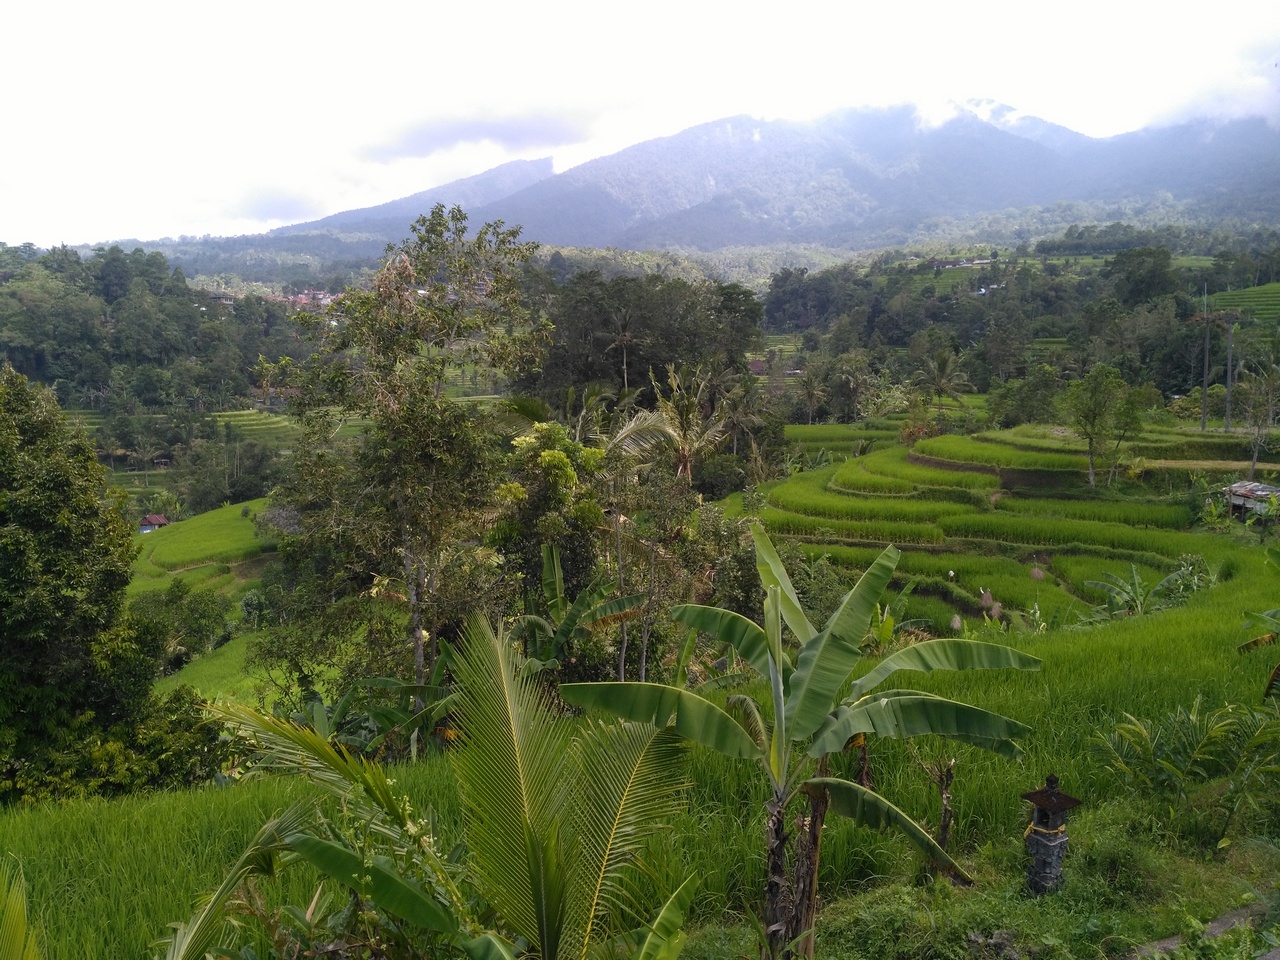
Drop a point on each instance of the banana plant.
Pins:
(814, 709)
(548, 639)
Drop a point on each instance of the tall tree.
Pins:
(1094, 406)
(66, 556)
(414, 479)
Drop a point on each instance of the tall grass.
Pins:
(876, 531)
(892, 462)
(1007, 528)
(105, 877)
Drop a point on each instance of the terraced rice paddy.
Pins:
(1005, 513)
(1260, 303)
(217, 550)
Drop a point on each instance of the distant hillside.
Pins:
(340, 244)
(854, 180)
(391, 220)
(870, 178)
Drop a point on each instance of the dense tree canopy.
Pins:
(75, 677)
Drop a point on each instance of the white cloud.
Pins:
(151, 119)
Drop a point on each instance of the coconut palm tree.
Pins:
(557, 818)
(558, 815)
(812, 718)
(692, 434)
(941, 376)
(812, 392)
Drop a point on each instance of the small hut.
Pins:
(1249, 497)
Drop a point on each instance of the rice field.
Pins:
(1033, 549)
(1260, 303)
(215, 550)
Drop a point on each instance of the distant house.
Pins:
(1248, 497)
(152, 521)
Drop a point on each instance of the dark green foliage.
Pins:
(616, 332)
(76, 715)
(548, 499)
(179, 623)
(720, 475)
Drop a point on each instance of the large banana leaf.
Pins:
(774, 574)
(553, 582)
(488, 946)
(908, 713)
(690, 715)
(381, 882)
(869, 809)
(745, 636)
(930, 655)
(825, 662)
(17, 936)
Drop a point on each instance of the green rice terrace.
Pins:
(1001, 539)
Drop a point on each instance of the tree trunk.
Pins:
(1204, 390)
(808, 850)
(779, 903)
(622, 644)
(648, 623)
(944, 793)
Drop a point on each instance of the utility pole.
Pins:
(1204, 390)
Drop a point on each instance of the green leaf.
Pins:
(380, 882)
(513, 766)
(825, 662)
(901, 714)
(488, 946)
(692, 717)
(200, 935)
(629, 787)
(868, 808)
(17, 936)
(553, 582)
(930, 655)
(774, 574)
(745, 636)
(665, 936)
(686, 654)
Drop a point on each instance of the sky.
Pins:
(147, 120)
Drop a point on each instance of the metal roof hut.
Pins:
(1248, 496)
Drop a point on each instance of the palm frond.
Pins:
(628, 787)
(513, 770)
(17, 935)
(288, 747)
(197, 937)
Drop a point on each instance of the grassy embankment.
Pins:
(218, 550)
